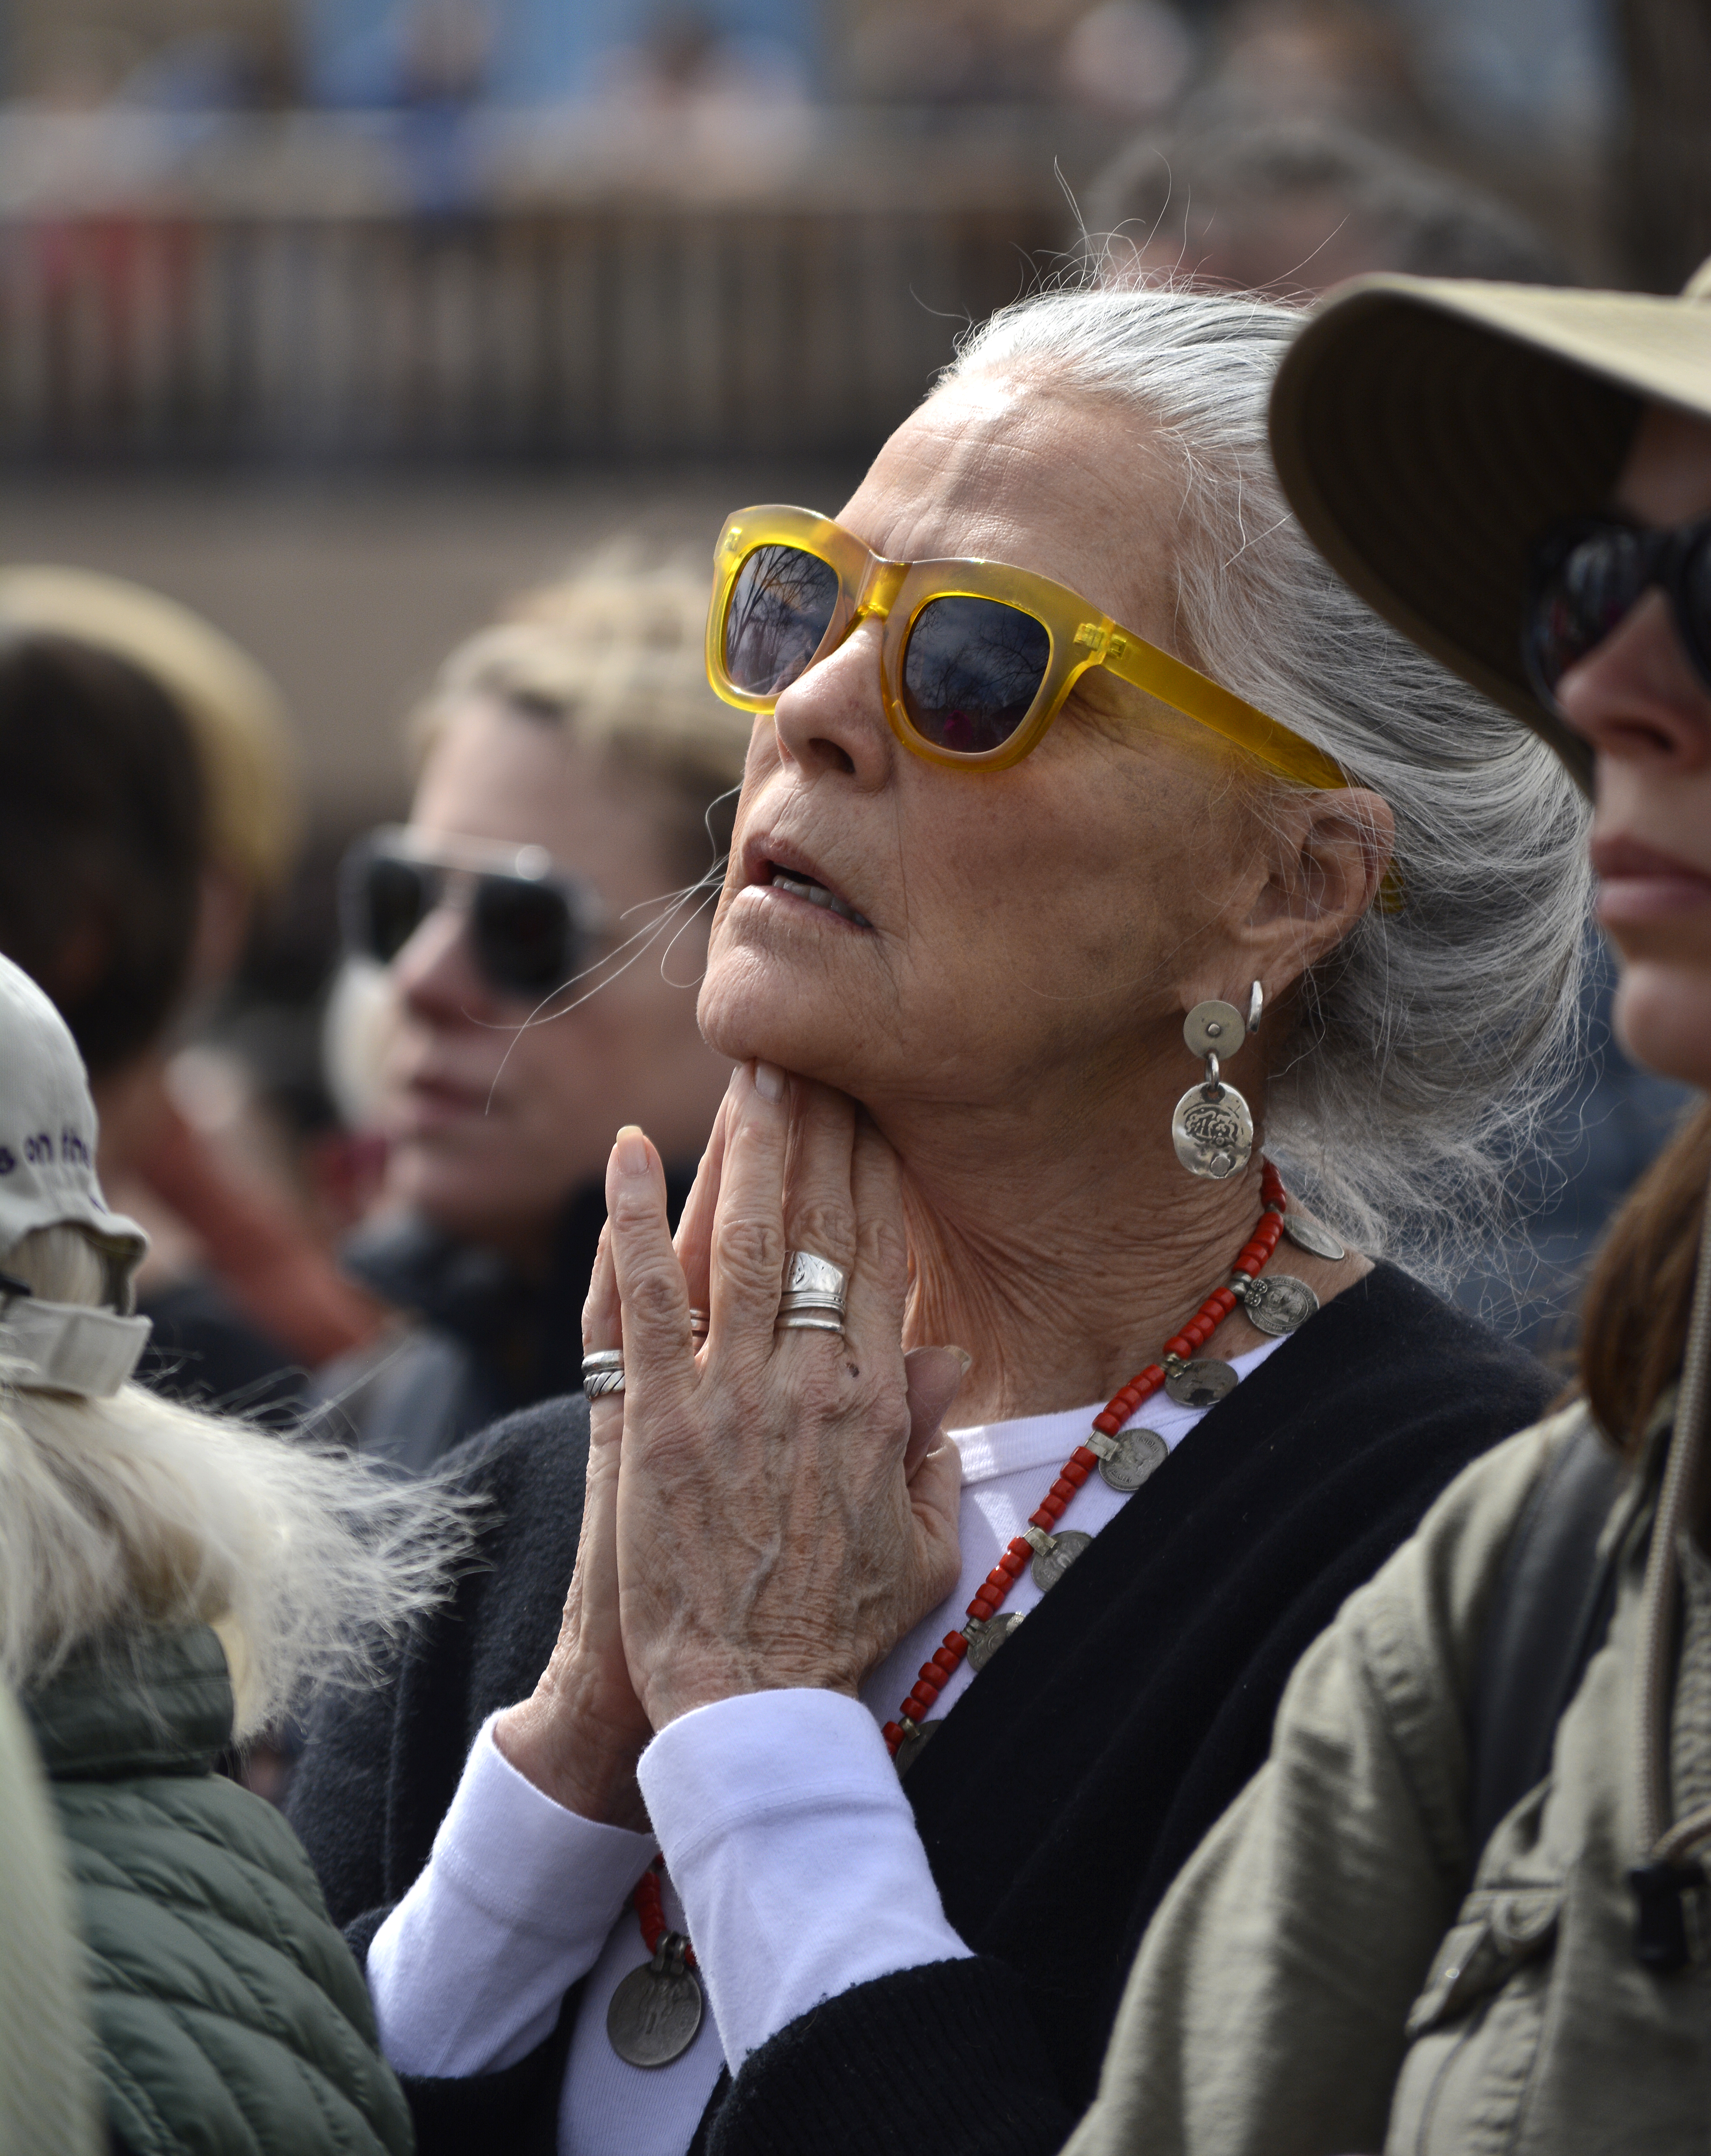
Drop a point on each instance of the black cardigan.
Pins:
(1069, 1783)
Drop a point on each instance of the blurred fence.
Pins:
(597, 331)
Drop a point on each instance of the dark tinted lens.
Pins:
(393, 899)
(522, 934)
(781, 606)
(1696, 599)
(972, 670)
(1593, 585)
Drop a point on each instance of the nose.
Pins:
(435, 973)
(833, 719)
(1638, 696)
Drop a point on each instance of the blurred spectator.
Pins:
(542, 921)
(170, 1581)
(1297, 203)
(147, 805)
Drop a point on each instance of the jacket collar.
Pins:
(151, 1702)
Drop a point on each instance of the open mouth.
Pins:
(809, 887)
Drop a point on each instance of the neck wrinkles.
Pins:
(1063, 1267)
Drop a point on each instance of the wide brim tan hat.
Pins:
(1428, 432)
(236, 712)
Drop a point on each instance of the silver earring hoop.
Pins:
(1255, 1005)
(1212, 1129)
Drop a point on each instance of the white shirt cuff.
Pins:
(468, 1973)
(794, 1852)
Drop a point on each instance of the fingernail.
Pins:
(769, 1081)
(964, 1357)
(632, 1150)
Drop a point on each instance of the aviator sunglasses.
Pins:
(530, 925)
(976, 659)
(1587, 576)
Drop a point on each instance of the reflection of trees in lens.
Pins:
(972, 668)
(781, 606)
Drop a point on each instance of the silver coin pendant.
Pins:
(1139, 1456)
(1050, 1567)
(1308, 1235)
(911, 1748)
(1212, 1130)
(656, 2013)
(1278, 1303)
(1202, 1383)
(985, 1643)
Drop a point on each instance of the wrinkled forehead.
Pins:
(1012, 468)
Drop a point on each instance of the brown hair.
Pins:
(1634, 1329)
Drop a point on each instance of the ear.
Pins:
(1318, 866)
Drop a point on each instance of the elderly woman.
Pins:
(1010, 836)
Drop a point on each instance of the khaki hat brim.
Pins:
(1428, 432)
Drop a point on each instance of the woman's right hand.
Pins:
(580, 1734)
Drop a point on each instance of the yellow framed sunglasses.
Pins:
(976, 659)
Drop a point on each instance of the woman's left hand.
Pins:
(783, 1518)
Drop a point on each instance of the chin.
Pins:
(751, 1009)
(1663, 1018)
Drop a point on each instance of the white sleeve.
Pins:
(793, 1850)
(516, 1900)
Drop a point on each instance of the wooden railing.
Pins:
(588, 332)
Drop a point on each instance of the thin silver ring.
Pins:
(598, 1384)
(698, 1321)
(601, 1359)
(807, 1321)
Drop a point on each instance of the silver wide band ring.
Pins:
(597, 1384)
(818, 1320)
(601, 1359)
(813, 1283)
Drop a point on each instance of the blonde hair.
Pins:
(123, 1514)
(614, 653)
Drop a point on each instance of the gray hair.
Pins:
(1425, 1049)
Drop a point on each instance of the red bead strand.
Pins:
(650, 1908)
(988, 1598)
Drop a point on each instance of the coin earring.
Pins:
(1212, 1129)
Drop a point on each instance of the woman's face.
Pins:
(1015, 926)
(1646, 712)
(494, 1124)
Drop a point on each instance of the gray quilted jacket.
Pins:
(230, 2015)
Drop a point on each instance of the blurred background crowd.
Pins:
(374, 377)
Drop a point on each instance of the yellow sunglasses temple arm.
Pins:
(1197, 696)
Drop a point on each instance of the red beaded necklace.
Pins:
(1038, 1541)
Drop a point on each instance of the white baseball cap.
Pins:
(48, 1179)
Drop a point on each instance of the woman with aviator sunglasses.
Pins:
(570, 759)
(1107, 940)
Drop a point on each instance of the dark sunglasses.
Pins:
(1587, 576)
(530, 926)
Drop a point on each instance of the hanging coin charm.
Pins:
(985, 1643)
(1212, 1129)
(1278, 1303)
(656, 2013)
(1139, 1455)
(914, 1744)
(1049, 1565)
(1201, 1383)
(1308, 1235)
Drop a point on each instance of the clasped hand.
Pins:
(765, 1508)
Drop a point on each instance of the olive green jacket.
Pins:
(1336, 1970)
(230, 2015)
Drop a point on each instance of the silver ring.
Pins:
(597, 1384)
(807, 1321)
(601, 1359)
(813, 1283)
(697, 1324)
